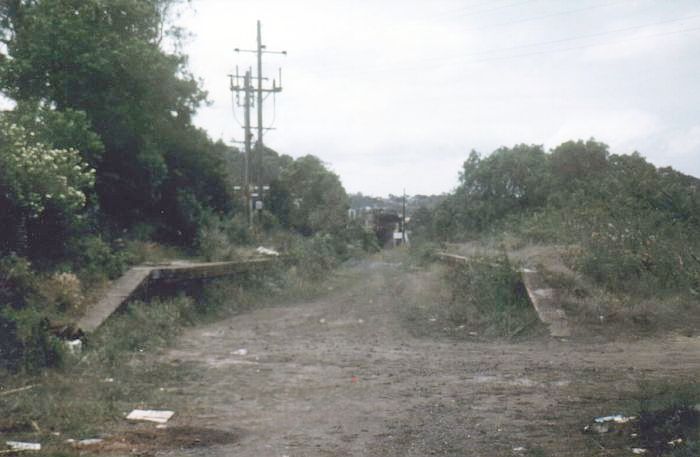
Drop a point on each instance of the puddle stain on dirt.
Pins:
(146, 441)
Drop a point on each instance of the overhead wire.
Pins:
(442, 60)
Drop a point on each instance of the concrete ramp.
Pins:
(546, 303)
(121, 290)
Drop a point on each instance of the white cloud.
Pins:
(400, 90)
(619, 129)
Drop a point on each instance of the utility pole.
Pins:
(403, 220)
(260, 90)
(247, 90)
(259, 143)
(248, 136)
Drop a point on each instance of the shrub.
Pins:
(27, 342)
(314, 256)
(488, 289)
(96, 260)
(38, 183)
(217, 238)
(63, 292)
(17, 281)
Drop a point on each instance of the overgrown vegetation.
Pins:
(631, 228)
(116, 371)
(101, 167)
(487, 294)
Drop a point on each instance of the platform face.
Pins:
(137, 277)
(544, 300)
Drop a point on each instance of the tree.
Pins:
(309, 198)
(42, 192)
(103, 58)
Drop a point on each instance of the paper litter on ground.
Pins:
(21, 446)
(160, 417)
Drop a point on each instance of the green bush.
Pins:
(43, 192)
(488, 290)
(95, 259)
(17, 281)
(27, 344)
(219, 237)
(314, 256)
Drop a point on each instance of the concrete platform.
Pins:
(137, 278)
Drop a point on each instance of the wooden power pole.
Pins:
(257, 164)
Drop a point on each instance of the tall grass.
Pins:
(487, 291)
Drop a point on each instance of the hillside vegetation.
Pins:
(628, 226)
(101, 167)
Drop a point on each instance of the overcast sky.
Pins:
(395, 93)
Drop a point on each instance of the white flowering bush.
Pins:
(34, 176)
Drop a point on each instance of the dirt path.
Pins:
(344, 376)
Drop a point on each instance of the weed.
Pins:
(489, 290)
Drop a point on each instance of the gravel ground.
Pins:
(348, 375)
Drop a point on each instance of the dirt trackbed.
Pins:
(344, 375)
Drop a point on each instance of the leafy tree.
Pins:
(104, 58)
(42, 191)
(309, 198)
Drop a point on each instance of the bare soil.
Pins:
(349, 374)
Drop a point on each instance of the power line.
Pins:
(259, 92)
(443, 60)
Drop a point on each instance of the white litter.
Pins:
(160, 417)
(638, 450)
(21, 446)
(360, 321)
(242, 351)
(266, 251)
(519, 449)
(676, 442)
(74, 347)
(432, 319)
(108, 380)
(617, 418)
(90, 441)
(322, 321)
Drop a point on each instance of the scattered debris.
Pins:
(605, 424)
(519, 449)
(74, 347)
(14, 391)
(160, 417)
(22, 446)
(617, 418)
(89, 442)
(676, 442)
(360, 321)
(267, 251)
(597, 428)
(108, 380)
(322, 320)
(432, 319)
(639, 450)
(242, 351)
